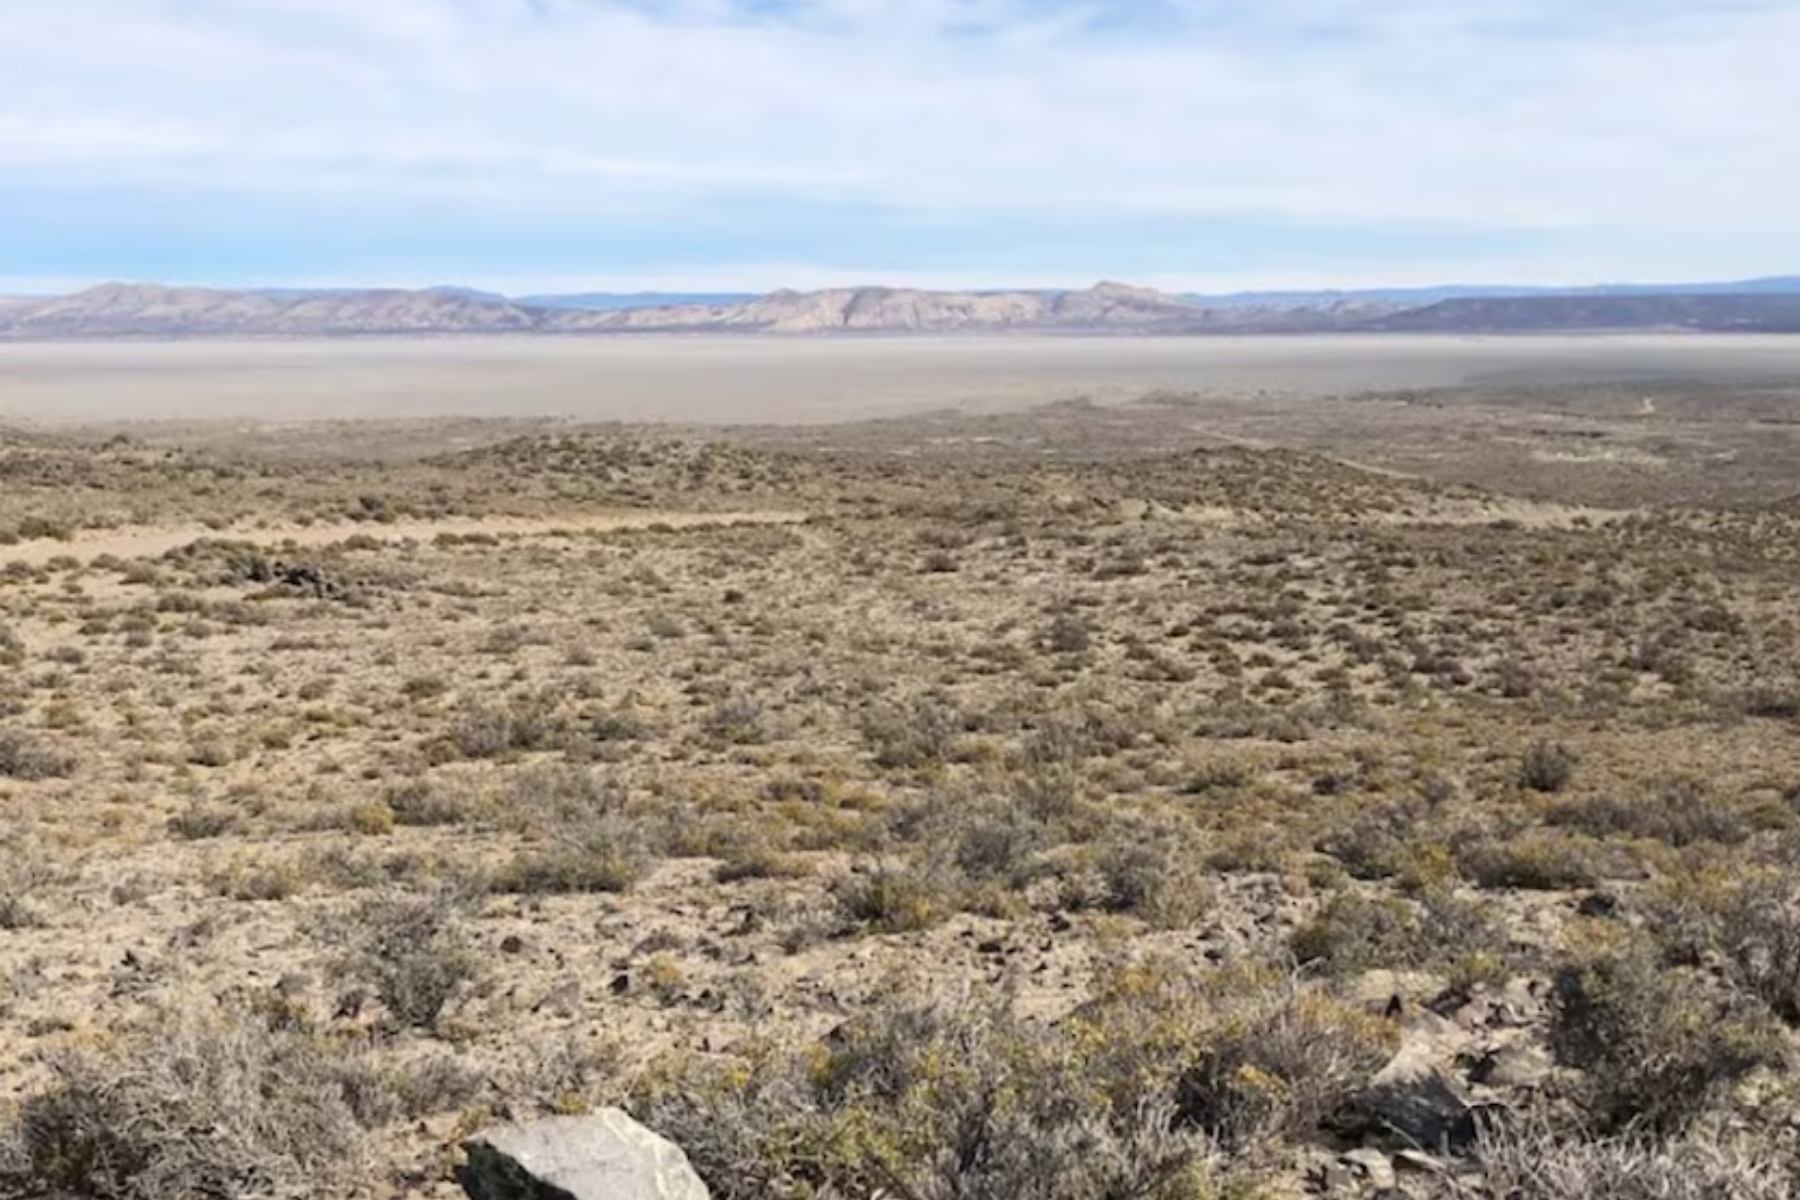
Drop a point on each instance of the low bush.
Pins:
(1358, 932)
(896, 896)
(1547, 767)
(1680, 814)
(485, 729)
(1279, 1063)
(26, 758)
(1539, 860)
(920, 736)
(930, 1101)
(1137, 1094)
(604, 855)
(1657, 1046)
(414, 954)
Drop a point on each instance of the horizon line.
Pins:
(47, 289)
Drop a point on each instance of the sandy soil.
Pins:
(140, 542)
(749, 379)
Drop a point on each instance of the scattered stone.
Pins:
(563, 1000)
(294, 984)
(604, 1156)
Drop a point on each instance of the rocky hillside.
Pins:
(901, 310)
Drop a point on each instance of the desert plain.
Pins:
(1037, 767)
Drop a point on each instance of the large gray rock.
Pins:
(603, 1156)
(1410, 1101)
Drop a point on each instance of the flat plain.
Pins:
(1044, 768)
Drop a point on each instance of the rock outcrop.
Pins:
(603, 1156)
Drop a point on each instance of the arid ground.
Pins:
(1042, 768)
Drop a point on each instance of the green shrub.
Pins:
(1548, 767)
(1280, 1065)
(894, 896)
(933, 1101)
(1679, 814)
(1535, 861)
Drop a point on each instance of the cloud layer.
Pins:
(685, 141)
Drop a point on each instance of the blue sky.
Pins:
(750, 144)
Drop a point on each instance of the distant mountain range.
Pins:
(153, 311)
(1418, 297)
(617, 301)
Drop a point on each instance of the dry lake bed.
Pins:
(757, 380)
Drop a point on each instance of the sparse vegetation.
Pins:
(1058, 812)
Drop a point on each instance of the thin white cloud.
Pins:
(1482, 114)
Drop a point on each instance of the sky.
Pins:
(1206, 145)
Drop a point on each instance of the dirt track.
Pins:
(143, 542)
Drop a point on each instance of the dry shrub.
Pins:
(197, 1103)
(484, 729)
(1358, 932)
(1542, 1165)
(603, 854)
(587, 840)
(26, 758)
(437, 801)
(1130, 1096)
(1155, 872)
(923, 735)
(413, 952)
(1750, 922)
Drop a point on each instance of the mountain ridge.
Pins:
(139, 310)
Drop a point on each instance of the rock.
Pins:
(603, 1156)
(1370, 1166)
(1420, 1162)
(1520, 1065)
(1411, 1100)
(1599, 906)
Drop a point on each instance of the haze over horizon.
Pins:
(746, 145)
